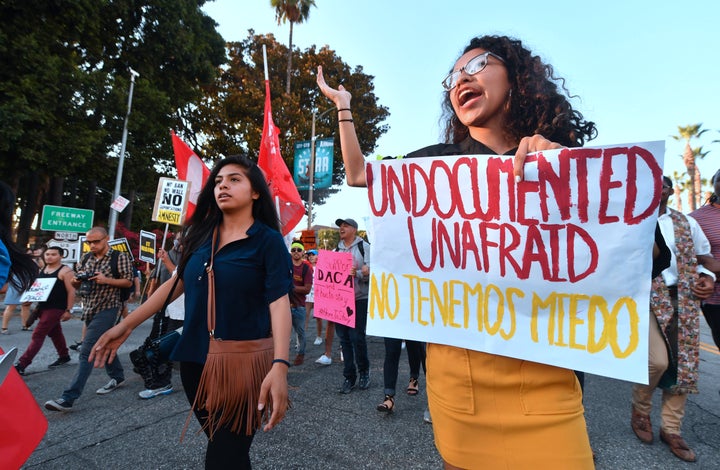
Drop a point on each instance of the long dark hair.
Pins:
(537, 105)
(23, 269)
(208, 215)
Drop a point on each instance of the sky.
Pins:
(639, 69)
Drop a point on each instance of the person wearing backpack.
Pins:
(104, 277)
(354, 345)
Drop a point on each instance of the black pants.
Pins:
(416, 359)
(227, 450)
(712, 316)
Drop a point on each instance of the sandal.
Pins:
(413, 387)
(387, 405)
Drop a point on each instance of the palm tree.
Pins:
(688, 133)
(294, 11)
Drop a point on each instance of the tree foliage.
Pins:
(292, 11)
(230, 116)
(64, 88)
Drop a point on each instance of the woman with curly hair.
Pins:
(492, 411)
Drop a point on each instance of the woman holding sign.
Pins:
(501, 411)
(231, 243)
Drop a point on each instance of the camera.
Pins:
(86, 285)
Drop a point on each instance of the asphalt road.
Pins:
(323, 430)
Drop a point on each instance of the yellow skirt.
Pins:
(496, 412)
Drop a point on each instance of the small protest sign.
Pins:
(334, 288)
(39, 291)
(171, 201)
(147, 247)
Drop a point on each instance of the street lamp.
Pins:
(315, 116)
(121, 163)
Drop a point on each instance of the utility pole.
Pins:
(121, 163)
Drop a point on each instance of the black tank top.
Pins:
(58, 294)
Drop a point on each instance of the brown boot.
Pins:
(641, 426)
(678, 446)
(299, 359)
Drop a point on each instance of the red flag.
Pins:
(22, 422)
(190, 168)
(282, 187)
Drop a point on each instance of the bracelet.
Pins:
(281, 361)
(345, 120)
(344, 109)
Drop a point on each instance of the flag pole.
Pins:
(265, 63)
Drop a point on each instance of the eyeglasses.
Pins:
(475, 65)
(92, 242)
(296, 250)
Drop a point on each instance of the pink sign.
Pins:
(334, 288)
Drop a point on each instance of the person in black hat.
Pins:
(352, 340)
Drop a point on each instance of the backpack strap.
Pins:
(114, 263)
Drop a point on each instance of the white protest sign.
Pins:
(555, 269)
(171, 201)
(39, 291)
(120, 204)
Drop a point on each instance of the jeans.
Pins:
(48, 325)
(393, 348)
(227, 449)
(298, 324)
(354, 346)
(101, 322)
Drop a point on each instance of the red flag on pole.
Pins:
(190, 168)
(282, 188)
(22, 422)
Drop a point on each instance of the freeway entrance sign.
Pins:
(66, 219)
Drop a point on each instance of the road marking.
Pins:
(711, 348)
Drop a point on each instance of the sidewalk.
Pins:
(323, 430)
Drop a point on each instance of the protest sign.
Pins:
(554, 269)
(39, 291)
(147, 247)
(123, 246)
(334, 288)
(171, 201)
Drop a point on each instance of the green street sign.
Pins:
(66, 219)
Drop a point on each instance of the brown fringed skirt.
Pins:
(229, 387)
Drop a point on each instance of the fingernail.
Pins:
(261, 406)
(518, 179)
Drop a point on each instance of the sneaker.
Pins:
(347, 387)
(152, 393)
(58, 405)
(109, 387)
(426, 417)
(59, 362)
(299, 359)
(364, 382)
(342, 358)
(318, 341)
(5, 331)
(20, 369)
(323, 360)
(76, 346)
